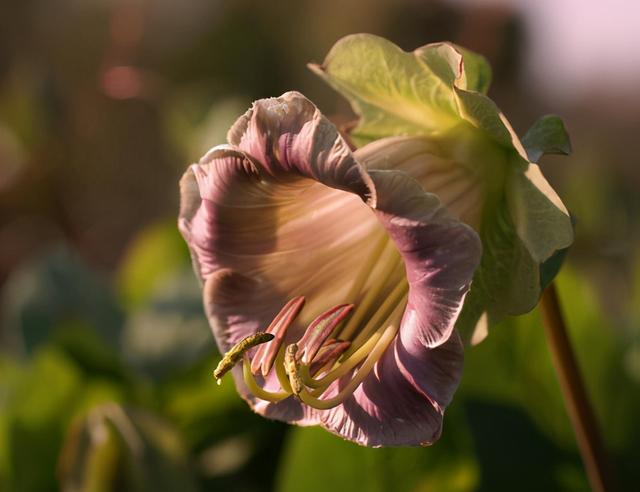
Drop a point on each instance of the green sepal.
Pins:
(477, 70)
(547, 136)
(550, 268)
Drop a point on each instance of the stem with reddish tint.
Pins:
(575, 396)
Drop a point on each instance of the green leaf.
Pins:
(424, 92)
(88, 351)
(514, 366)
(511, 449)
(37, 404)
(443, 61)
(169, 331)
(52, 289)
(519, 233)
(194, 398)
(547, 136)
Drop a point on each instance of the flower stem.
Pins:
(580, 412)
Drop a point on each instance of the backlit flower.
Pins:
(335, 288)
(426, 113)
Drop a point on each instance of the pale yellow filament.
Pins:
(381, 345)
(391, 259)
(395, 298)
(255, 388)
(341, 369)
(356, 357)
(365, 270)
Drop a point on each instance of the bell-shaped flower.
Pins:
(427, 114)
(332, 290)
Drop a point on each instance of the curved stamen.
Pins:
(296, 369)
(381, 345)
(339, 371)
(356, 357)
(292, 368)
(281, 373)
(255, 388)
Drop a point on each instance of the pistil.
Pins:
(233, 356)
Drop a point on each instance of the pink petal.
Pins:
(389, 410)
(440, 255)
(289, 135)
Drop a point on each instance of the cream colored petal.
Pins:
(292, 236)
(457, 185)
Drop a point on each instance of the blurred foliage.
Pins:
(54, 289)
(156, 252)
(166, 327)
(57, 404)
(316, 461)
(117, 449)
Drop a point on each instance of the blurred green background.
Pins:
(106, 358)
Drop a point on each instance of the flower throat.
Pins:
(341, 344)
